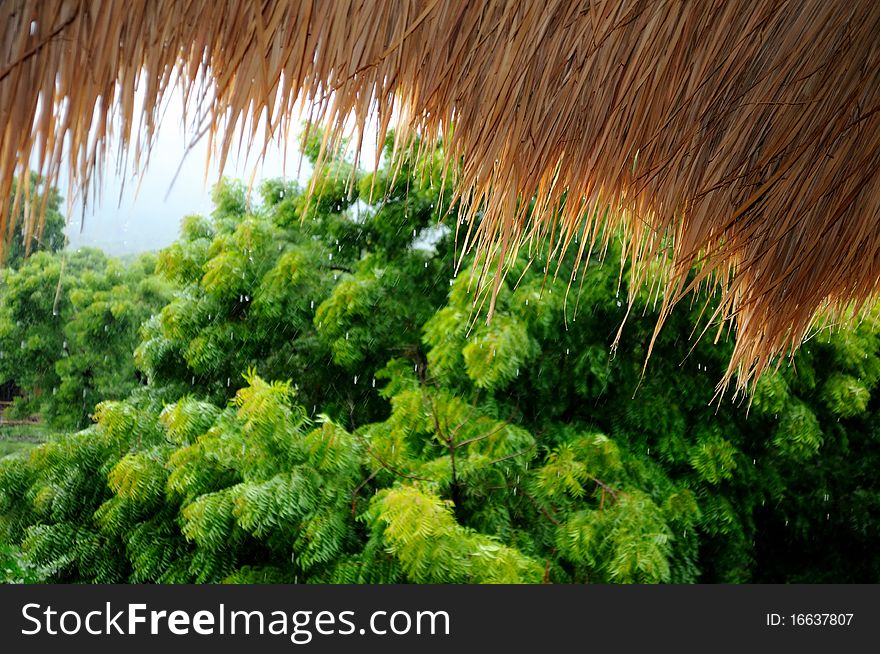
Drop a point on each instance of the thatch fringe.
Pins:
(742, 138)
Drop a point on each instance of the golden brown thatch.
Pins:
(740, 137)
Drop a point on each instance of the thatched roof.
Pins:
(741, 137)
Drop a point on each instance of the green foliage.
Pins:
(392, 436)
(303, 287)
(68, 325)
(14, 568)
(421, 531)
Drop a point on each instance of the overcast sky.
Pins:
(145, 219)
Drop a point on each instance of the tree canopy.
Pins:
(320, 400)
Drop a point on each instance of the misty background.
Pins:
(129, 214)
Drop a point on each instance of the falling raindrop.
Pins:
(355, 380)
(374, 382)
(227, 382)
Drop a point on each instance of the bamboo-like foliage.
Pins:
(740, 138)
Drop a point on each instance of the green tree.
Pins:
(68, 325)
(392, 435)
(321, 289)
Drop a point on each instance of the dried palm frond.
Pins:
(738, 137)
